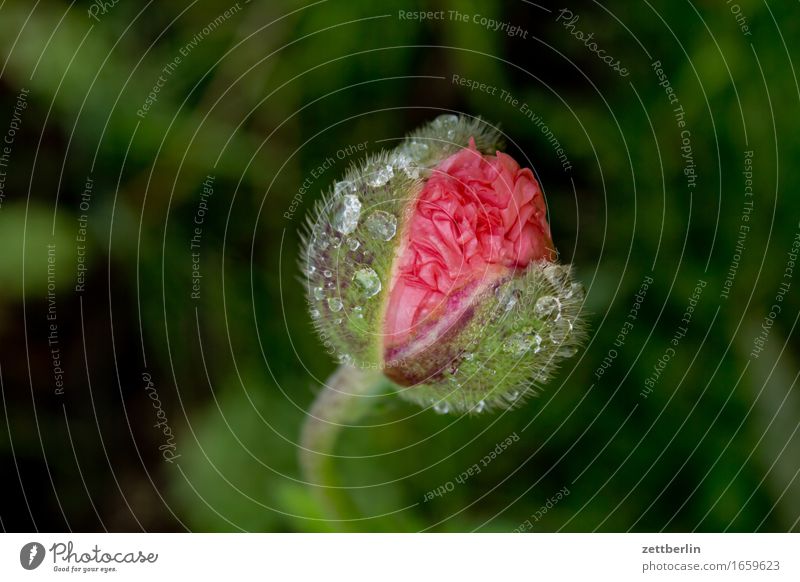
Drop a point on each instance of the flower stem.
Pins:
(341, 402)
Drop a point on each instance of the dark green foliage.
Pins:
(709, 442)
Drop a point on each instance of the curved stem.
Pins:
(340, 402)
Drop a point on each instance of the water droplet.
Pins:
(541, 376)
(319, 293)
(520, 343)
(404, 162)
(559, 330)
(381, 225)
(380, 176)
(469, 356)
(418, 149)
(513, 395)
(344, 187)
(507, 299)
(346, 213)
(321, 242)
(327, 273)
(358, 312)
(567, 351)
(480, 407)
(335, 304)
(446, 120)
(336, 242)
(338, 321)
(547, 307)
(575, 291)
(368, 280)
(315, 314)
(557, 275)
(412, 171)
(310, 270)
(330, 285)
(353, 244)
(441, 407)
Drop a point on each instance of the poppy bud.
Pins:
(434, 263)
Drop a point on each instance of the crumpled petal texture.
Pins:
(477, 216)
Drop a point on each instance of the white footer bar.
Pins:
(401, 557)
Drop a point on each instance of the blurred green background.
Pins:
(261, 96)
